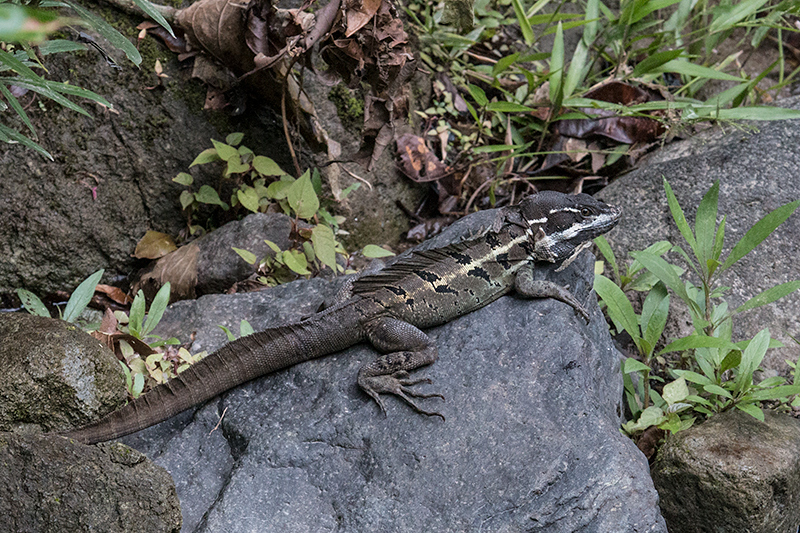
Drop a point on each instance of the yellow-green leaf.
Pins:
(302, 198)
(324, 245)
(266, 166)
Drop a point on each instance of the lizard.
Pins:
(389, 308)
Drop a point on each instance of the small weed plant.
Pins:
(716, 374)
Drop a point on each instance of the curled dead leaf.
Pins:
(153, 245)
(418, 162)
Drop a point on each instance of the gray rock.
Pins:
(55, 376)
(531, 441)
(758, 172)
(51, 484)
(732, 473)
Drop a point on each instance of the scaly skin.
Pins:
(388, 308)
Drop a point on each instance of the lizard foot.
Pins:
(397, 384)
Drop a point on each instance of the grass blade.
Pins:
(760, 231)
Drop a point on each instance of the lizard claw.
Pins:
(398, 384)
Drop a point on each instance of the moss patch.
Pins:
(349, 107)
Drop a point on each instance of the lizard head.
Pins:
(564, 224)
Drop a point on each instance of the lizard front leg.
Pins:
(405, 348)
(525, 285)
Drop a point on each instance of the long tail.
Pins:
(235, 363)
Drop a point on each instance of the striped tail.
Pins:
(235, 363)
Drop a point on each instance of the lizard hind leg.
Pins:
(405, 348)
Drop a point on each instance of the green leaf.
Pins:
(508, 107)
(82, 296)
(266, 166)
(245, 328)
(157, 308)
(15, 105)
(697, 341)
(32, 303)
(577, 69)
(235, 166)
(136, 317)
(652, 416)
(373, 251)
(690, 69)
(608, 254)
(207, 195)
(478, 95)
(296, 262)
(619, 308)
(769, 296)
(184, 179)
(248, 256)
(228, 333)
(524, 25)
(675, 392)
(226, 152)
(7, 134)
(248, 197)
(274, 247)
(716, 389)
(324, 245)
(731, 360)
(705, 225)
(664, 271)
(108, 32)
(557, 68)
(634, 365)
(206, 156)
(694, 377)
(302, 198)
(654, 314)
(138, 385)
(733, 14)
(234, 139)
(504, 63)
(154, 14)
(760, 231)
(678, 217)
(186, 199)
(654, 61)
(753, 113)
(775, 393)
(751, 358)
(752, 410)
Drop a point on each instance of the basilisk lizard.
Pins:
(389, 308)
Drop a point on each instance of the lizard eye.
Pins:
(586, 212)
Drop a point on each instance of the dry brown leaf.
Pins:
(219, 28)
(358, 13)
(153, 245)
(115, 293)
(417, 161)
(179, 268)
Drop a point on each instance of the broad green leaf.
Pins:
(245, 328)
(136, 317)
(716, 389)
(619, 308)
(697, 341)
(694, 377)
(277, 190)
(106, 30)
(752, 113)
(184, 179)
(678, 217)
(274, 247)
(755, 352)
(206, 156)
(32, 303)
(478, 95)
(234, 139)
(592, 22)
(705, 225)
(775, 393)
(186, 199)
(248, 197)
(296, 262)
(138, 385)
(719, 240)
(675, 392)
(731, 360)
(608, 254)
(752, 410)
(266, 166)
(508, 107)
(664, 271)
(634, 365)
(207, 195)
(324, 245)
(655, 61)
(652, 416)
(734, 14)
(373, 251)
(654, 314)
(690, 69)
(82, 296)
(769, 296)
(557, 68)
(225, 151)
(248, 256)
(577, 69)
(504, 63)
(302, 198)
(153, 12)
(760, 231)
(524, 25)
(235, 166)
(157, 308)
